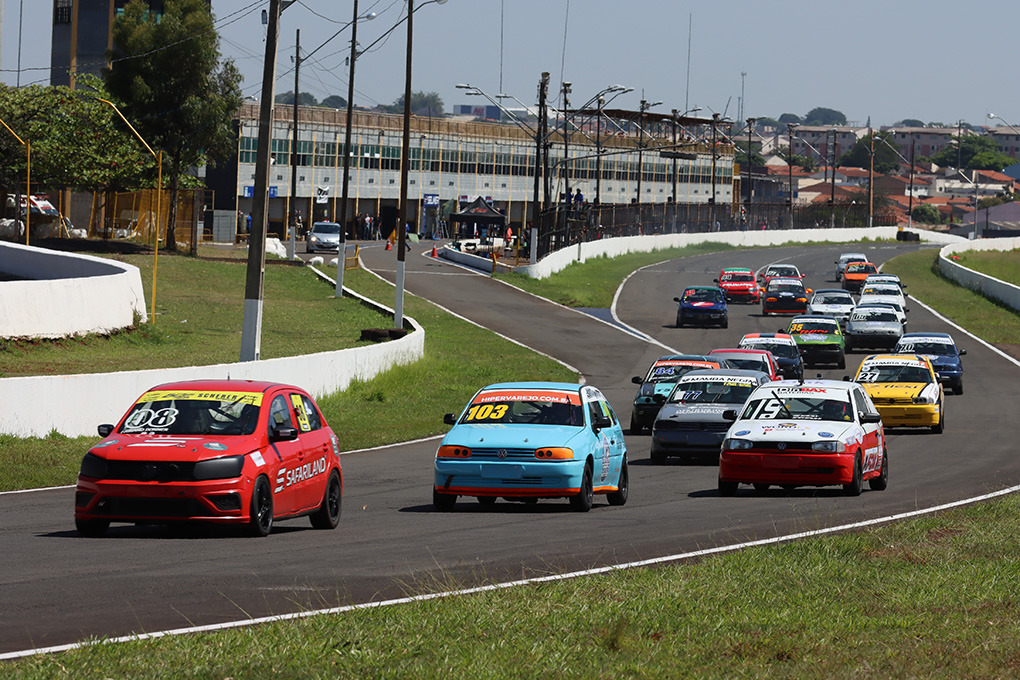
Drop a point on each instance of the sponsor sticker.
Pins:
(253, 398)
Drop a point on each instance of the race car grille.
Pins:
(501, 454)
(890, 401)
(227, 502)
(150, 507)
(150, 471)
(784, 447)
(691, 427)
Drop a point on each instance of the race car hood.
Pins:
(790, 430)
(170, 448)
(499, 435)
(832, 310)
(738, 285)
(945, 362)
(858, 326)
(894, 390)
(816, 338)
(705, 304)
(699, 413)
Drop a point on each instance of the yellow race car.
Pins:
(905, 389)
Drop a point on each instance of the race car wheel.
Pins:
(619, 497)
(635, 426)
(261, 512)
(443, 502)
(582, 500)
(487, 500)
(855, 486)
(727, 488)
(328, 514)
(761, 487)
(725, 323)
(842, 362)
(939, 427)
(658, 457)
(679, 321)
(958, 387)
(92, 528)
(882, 481)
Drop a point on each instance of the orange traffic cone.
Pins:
(434, 253)
(388, 246)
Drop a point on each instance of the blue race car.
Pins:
(701, 305)
(530, 440)
(943, 353)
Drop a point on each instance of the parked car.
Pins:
(215, 452)
(660, 380)
(702, 306)
(805, 433)
(872, 327)
(323, 236)
(943, 353)
(905, 389)
(690, 423)
(784, 349)
(530, 440)
(739, 285)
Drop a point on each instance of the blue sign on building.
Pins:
(249, 191)
(431, 200)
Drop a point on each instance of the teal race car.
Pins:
(662, 376)
(530, 440)
(819, 339)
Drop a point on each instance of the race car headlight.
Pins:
(737, 444)
(555, 453)
(801, 299)
(770, 299)
(227, 467)
(828, 447)
(93, 466)
(453, 452)
(923, 400)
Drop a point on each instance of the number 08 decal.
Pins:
(487, 412)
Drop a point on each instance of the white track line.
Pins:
(616, 298)
(511, 584)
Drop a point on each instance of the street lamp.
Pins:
(790, 127)
(405, 151)
(750, 181)
(159, 195)
(27, 143)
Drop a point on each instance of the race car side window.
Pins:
(861, 403)
(279, 414)
(314, 419)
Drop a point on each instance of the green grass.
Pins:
(979, 315)
(933, 597)
(1003, 265)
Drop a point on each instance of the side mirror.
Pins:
(637, 380)
(846, 378)
(105, 429)
(676, 299)
(871, 418)
(659, 398)
(602, 422)
(906, 309)
(729, 414)
(283, 434)
(781, 330)
(450, 419)
(715, 280)
(962, 352)
(810, 291)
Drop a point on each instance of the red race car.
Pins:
(738, 284)
(213, 451)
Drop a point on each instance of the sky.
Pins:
(937, 60)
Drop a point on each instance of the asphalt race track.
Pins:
(58, 588)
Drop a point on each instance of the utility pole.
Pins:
(832, 191)
(251, 327)
(910, 200)
(676, 115)
(341, 254)
(642, 107)
(871, 180)
(598, 151)
(566, 139)
(292, 246)
(790, 128)
(715, 124)
(543, 129)
(543, 89)
(750, 182)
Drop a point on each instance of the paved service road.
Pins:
(59, 588)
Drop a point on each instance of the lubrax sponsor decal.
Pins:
(812, 390)
(290, 476)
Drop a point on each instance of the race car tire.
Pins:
(658, 457)
(582, 500)
(635, 426)
(958, 387)
(260, 521)
(487, 500)
(882, 481)
(443, 502)
(855, 486)
(328, 514)
(679, 321)
(619, 497)
(841, 364)
(725, 323)
(761, 487)
(92, 528)
(940, 427)
(727, 488)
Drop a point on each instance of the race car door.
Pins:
(310, 477)
(288, 453)
(873, 443)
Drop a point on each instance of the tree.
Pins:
(789, 118)
(926, 213)
(823, 116)
(304, 99)
(886, 156)
(168, 77)
(334, 101)
(975, 153)
(910, 122)
(740, 153)
(422, 103)
(765, 121)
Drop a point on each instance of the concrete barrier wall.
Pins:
(66, 294)
(474, 261)
(992, 288)
(74, 405)
(612, 247)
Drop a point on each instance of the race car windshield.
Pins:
(832, 300)
(701, 296)
(737, 278)
(880, 290)
(781, 350)
(326, 229)
(783, 271)
(786, 288)
(230, 416)
(863, 268)
(873, 315)
(524, 412)
(893, 374)
(670, 373)
(711, 392)
(789, 407)
(750, 364)
(813, 327)
(940, 348)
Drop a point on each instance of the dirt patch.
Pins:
(1010, 349)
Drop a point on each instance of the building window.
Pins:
(62, 12)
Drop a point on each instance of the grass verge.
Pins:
(933, 597)
(1003, 265)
